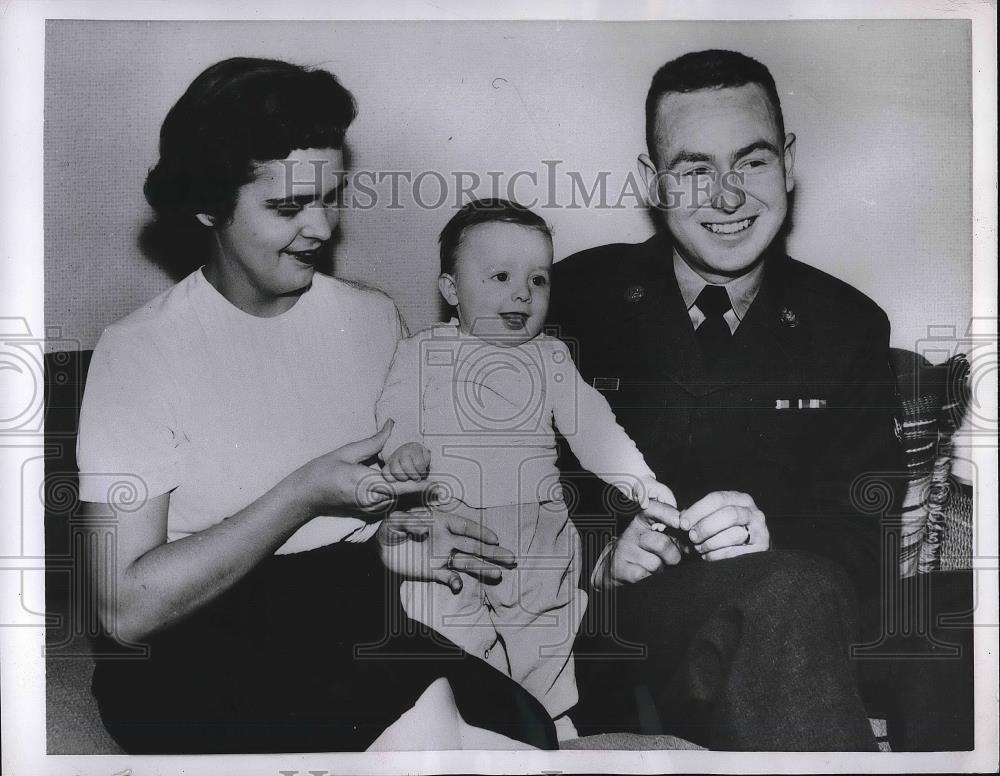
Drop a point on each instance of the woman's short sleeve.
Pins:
(128, 445)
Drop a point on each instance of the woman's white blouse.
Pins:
(192, 396)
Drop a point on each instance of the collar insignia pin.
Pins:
(789, 317)
(635, 293)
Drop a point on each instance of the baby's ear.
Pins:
(446, 285)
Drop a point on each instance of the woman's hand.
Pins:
(439, 546)
(338, 480)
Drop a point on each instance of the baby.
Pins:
(475, 403)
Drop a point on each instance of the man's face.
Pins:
(722, 175)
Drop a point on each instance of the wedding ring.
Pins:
(747, 540)
(450, 563)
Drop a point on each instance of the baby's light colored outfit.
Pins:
(486, 413)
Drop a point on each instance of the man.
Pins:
(759, 390)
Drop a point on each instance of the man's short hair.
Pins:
(711, 69)
(484, 211)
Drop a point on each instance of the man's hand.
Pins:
(437, 546)
(643, 549)
(724, 524)
(411, 461)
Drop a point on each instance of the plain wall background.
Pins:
(881, 110)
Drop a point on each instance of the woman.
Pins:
(248, 556)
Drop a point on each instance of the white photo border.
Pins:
(22, 676)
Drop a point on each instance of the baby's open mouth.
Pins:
(515, 321)
(733, 227)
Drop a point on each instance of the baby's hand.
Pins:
(648, 488)
(411, 461)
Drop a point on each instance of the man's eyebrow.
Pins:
(688, 156)
(757, 145)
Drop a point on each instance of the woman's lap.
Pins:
(309, 653)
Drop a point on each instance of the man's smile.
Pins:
(730, 227)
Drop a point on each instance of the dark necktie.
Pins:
(713, 334)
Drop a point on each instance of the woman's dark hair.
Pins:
(711, 69)
(236, 114)
(484, 211)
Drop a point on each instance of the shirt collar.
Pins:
(742, 290)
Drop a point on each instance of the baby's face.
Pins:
(501, 282)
